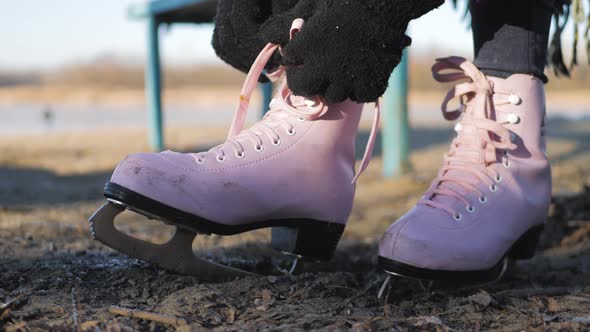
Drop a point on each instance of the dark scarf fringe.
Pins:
(564, 10)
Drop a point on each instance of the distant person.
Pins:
(48, 116)
(294, 170)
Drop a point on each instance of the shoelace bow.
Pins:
(480, 137)
(282, 107)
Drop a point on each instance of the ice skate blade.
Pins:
(385, 290)
(297, 264)
(403, 270)
(310, 238)
(428, 285)
(175, 255)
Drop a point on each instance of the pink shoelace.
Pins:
(282, 105)
(481, 136)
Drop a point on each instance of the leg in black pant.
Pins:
(511, 37)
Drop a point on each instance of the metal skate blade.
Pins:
(175, 255)
(505, 266)
(148, 215)
(385, 289)
(136, 210)
(298, 264)
(428, 285)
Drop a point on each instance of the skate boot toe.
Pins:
(407, 242)
(139, 171)
(411, 249)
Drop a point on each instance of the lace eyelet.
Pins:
(513, 118)
(240, 154)
(259, 148)
(277, 142)
(498, 178)
(220, 159)
(483, 199)
(470, 208)
(506, 153)
(506, 164)
(200, 161)
(514, 99)
(291, 132)
(493, 188)
(300, 119)
(458, 216)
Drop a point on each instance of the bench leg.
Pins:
(396, 128)
(154, 86)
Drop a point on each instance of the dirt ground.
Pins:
(53, 276)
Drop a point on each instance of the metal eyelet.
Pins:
(301, 119)
(240, 154)
(513, 118)
(514, 99)
(470, 209)
(291, 132)
(506, 153)
(277, 142)
(458, 216)
(493, 188)
(483, 199)
(498, 178)
(220, 159)
(259, 148)
(506, 164)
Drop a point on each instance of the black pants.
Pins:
(511, 36)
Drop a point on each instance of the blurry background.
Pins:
(72, 105)
(72, 100)
(75, 65)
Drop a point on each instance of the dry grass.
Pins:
(121, 83)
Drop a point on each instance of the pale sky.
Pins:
(44, 34)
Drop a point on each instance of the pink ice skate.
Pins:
(490, 200)
(293, 171)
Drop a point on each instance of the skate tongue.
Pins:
(479, 137)
(470, 150)
(465, 152)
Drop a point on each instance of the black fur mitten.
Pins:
(347, 48)
(237, 22)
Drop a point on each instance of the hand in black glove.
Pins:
(237, 23)
(347, 48)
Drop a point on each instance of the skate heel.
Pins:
(526, 246)
(316, 240)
